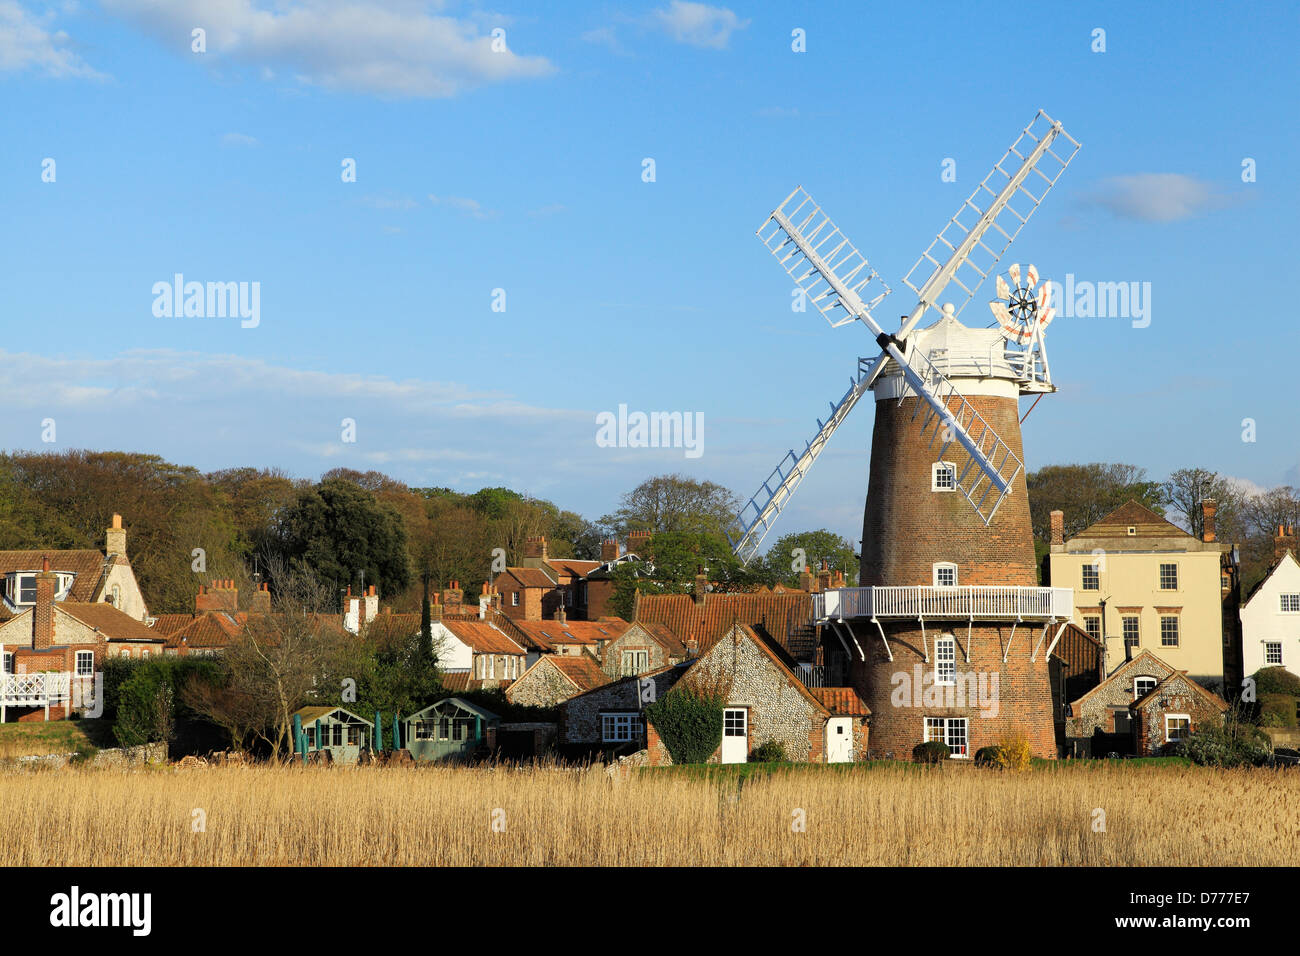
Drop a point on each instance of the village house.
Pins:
(764, 701)
(479, 650)
(1143, 708)
(540, 586)
(562, 636)
(1076, 665)
(1142, 583)
(337, 733)
(642, 647)
(600, 581)
(1270, 614)
(554, 678)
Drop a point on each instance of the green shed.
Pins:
(339, 732)
(451, 729)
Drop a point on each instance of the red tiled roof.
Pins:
(392, 628)
(461, 681)
(115, 625)
(547, 634)
(573, 567)
(87, 565)
(482, 637)
(784, 616)
(841, 701)
(531, 577)
(582, 670)
(211, 629)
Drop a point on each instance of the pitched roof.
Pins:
(88, 565)
(776, 657)
(115, 625)
(661, 634)
(574, 567)
(1269, 573)
(841, 701)
(1132, 514)
(392, 628)
(1122, 672)
(531, 577)
(547, 635)
(166, 624)
(1213, 699)
(310, 715)
(210, 629)
(482, 637)
(786, 617)
(582, 670)
(461, 681)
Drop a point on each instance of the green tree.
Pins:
(675, 503)
(1086, 493)
(815, 546)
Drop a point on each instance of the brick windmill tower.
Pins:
(948, 636)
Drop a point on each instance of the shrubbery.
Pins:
(1235, 744)
(932, 751)
(770, 751)
(689, 722)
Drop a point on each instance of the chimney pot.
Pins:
(1058, 528)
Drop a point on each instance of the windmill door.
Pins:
(735, 735)
(839, 740)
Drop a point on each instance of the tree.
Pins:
(675, 503)
(345, 536)
(678, 557)
(816, 546)
(1087, 493)
(1186, 488)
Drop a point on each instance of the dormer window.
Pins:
(20, 587)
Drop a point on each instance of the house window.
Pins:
(635, 662)
(1273, 652)
(1092, 624)
(27, 589)
(1091, 578)
(945, 661)
(943, 476)
(1130, 624)
(1143, 686)
(444, 728)
(733, 722)
(514, 598)
(144, 652)
(311, 738)
(458, 729)
(117, 596)
(1177, 727)
(338, 735)
(354, 736)
(85, 663)
(1289, 603)
(9, 662)
(1169, 630)
(945, 575)
(620, 728)
(568, 597)
(1132, 531)
(948, 730)
(1169, 577)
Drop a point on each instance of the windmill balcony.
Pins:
(952, 603)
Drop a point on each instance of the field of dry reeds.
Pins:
(261, 815)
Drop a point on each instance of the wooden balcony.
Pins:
(957, 603)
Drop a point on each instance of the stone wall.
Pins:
(155, 753)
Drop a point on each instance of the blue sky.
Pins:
(522, 170)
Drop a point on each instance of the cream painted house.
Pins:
(1142, 583)
(1270, 619)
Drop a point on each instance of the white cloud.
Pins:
(464, 204)
(604, 36)
(389, 48)
(1155, 197)
(239, 139)
(28, 42)
(697, 23)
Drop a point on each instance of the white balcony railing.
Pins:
(36, 690)
(979, 602)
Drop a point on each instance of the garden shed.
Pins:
(333, 730)
(451, 729)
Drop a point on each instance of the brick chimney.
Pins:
(435, 608)
(453, 596)
(260, 602)
(837, 579)
(1058, 531)
(115, 537)
(559, 614)
(701, 585)
(535, 547)
(43, 614)
(806, 580)
(638, 543)
(222, 595)
(609, 550)
(824, 576)
(1283, 540)
(370, 604)
(1208, 509)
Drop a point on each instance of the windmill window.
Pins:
(1289, 603)
(945, 575)
(1273, 652)
(948, 730)
(945, 661)
(1091, 577)
(943, 476)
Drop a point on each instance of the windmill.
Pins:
(918, 363)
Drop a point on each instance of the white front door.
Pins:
(735, 736)
(839, 740)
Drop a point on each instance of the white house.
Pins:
(1270, 619)
(477, 648)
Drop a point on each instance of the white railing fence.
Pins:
(980, 601)
(36, 689)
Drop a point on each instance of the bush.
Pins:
(932, 751)
(1277, 709)
(1276, 680)
(770, 751)
(689, 723)
(1014, 754)
(986, 756)
(1235, 744)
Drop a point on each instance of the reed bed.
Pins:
(407, 816)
